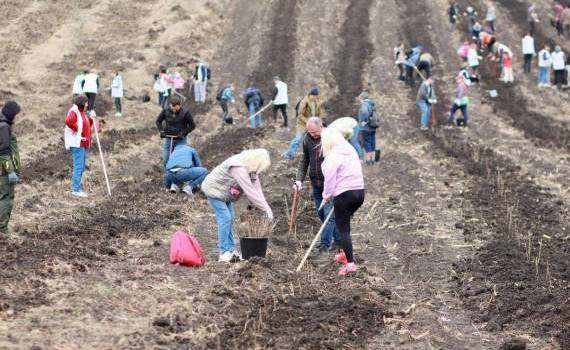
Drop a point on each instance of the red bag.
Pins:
(185, 250)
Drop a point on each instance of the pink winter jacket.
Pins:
(342, 171)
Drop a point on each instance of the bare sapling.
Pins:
(255, 226)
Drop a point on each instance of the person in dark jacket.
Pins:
(184, 170)
(311, 160)
(452, 12)
(367, 131)
(10, 163)
(174, 124)
(253, 101)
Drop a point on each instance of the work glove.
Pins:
(162, 134)
(13, 178)
(269, 215)
(298, 185)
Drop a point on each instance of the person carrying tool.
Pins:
(184, 170)
(425, 63)
(201, 77)
(424, 99)
(528, 52)
(225, 96)
(173, 125)
(280, 100)
(237, 175)
(544, 63)
(344, 186)
(312, 160)
(253, 101)
(77, 138)
(310, 106)
(412, 58)
(10, 162)
(460, 102)
(90, 88)
(368, 123)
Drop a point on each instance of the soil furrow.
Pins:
(507, 203)
(351, 59)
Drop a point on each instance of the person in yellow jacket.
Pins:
(310, 106)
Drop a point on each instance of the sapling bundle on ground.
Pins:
(254, 232)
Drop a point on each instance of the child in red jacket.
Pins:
(77, 137)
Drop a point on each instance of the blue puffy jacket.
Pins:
(183, 156)
(414, 57)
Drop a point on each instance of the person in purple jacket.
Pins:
(344, 185)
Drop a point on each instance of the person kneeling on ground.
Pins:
(225, 184)
(311, 160)
(184, 169)
(348, 128)
(344, 185)
(77, 137)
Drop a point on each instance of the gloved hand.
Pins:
(13, 178)
(269, 215)
(162, 134)
(298, 185)
(323, 204)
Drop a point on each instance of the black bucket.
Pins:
(253, 246)
(377, 155)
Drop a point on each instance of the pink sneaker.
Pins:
(347, 269)
(341, 257)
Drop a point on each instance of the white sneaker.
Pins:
(449, 127)
(80, 194)
(174, 188)
(118, 114)
(226, 257)
(187, 189)
(237, 254)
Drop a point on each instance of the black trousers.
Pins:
(345, 205)
(425, 67)
(559, 77)
(90, 100)
(283, 109)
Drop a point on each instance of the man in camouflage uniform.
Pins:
(9, 163)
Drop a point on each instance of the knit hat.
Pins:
(314, 91)
(10, 109)
(363, 95)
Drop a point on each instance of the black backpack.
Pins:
(373, 120)
(220, 92)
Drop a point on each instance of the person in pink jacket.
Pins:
(344, 185)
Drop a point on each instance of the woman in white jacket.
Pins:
(559, 66)
(117, 93)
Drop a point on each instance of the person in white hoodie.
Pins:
(90, 89)
(528, 52)
(78, 84)
(559, 66)
(117, 93)
(544, 63)
(280, 100)
(473, 58)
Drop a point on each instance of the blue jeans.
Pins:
(369, 140)
(543, 75)
(294, 144)
(193, 175)
(79, 156)
(424, 109)
(356, 143)
(166, 148)
(225, 216)
(330, 232)
(254, 107)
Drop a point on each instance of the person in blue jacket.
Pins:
(184, 170)
(412, 58)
